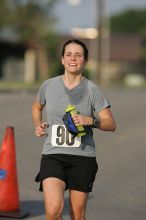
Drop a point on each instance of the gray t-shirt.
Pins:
(86, 97)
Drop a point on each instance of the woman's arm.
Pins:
(37, 119)
(106, 120)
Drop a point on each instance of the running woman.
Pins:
(67, 162)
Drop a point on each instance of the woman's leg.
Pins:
(53, 189)
(78, 202)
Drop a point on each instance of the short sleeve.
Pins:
(99, 101)
(41, 95)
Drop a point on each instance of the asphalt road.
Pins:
(119, 191)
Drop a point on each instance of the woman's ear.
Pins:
(62, 61)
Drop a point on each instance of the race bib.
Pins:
(62, 138)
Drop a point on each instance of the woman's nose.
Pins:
(73, 57)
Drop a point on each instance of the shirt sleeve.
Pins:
(41, 95)
(99, 101)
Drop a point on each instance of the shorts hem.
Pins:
(41, 179)
(80, 190)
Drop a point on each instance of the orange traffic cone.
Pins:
(9, 194)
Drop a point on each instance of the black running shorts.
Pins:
(78, 172)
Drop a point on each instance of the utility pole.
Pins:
(100, 27)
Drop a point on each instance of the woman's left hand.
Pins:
(82, 120)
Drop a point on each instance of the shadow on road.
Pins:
(36, 208)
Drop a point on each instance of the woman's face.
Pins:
(73, 59)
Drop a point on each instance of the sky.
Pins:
(84, 14)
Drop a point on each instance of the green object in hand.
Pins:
(72, 110)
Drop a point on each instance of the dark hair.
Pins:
(76, 41)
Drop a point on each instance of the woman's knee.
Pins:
(77, 213)
(54, 210)
(54, 197)
(78, 201)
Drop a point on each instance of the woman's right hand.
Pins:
(40, 130)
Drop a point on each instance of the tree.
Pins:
(32, 22)
(33, 19)
(4, 10)
(131, 21)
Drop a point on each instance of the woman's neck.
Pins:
(71, 80)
